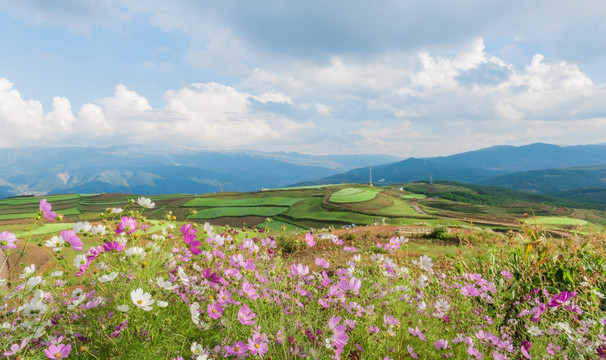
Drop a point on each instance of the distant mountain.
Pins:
(553, 181)
(408, 171)
(538, 168)
(144, 170)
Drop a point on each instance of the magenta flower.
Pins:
(118, 329)
(46, 209)
(113, 246)
(561, 298)
(526, 345)
(74, 241)
(441, 344)
(246, 315)
(211, 276)
(127, 224)
(214, 311)
(309, 239)
(354, 284)
(59, 351)
(8, 240)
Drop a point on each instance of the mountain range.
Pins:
(573, 172)
(148, 171)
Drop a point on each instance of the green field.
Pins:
(556, 220)
(239, 211)
(244, 202)
(414, 196)
(353, 195)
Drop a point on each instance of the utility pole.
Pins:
(370, 175)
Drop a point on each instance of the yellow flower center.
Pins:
(257, 346)
(139, 302)
(58, 355)
(214, 311)
(236, 348)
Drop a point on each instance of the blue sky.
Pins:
(406, 78)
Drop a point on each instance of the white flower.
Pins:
(82, 227)
(99, 230)
(28, 271)
(56, 274)
(209, 229)
(161, 303)
(182, 276)
(108, 278)
(197, 349)
(165, 284)
(142, 300)
(194, 311)
(157, 237)
(425, 263)
(135, 250)
(2, 282)
(34, 307)
(146, 203)
(34, 281)
(534, 331)
(79, 260)
(114, 210)
(56, 242)
(124, 308)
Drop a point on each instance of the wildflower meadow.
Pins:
(116, 290)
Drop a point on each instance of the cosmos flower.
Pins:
(246, 315)
(309, 239)
(46, 209)
(70, 237)
(127, 224)
(146, 203)
(59, 351)
(8, 240)
(141, 300)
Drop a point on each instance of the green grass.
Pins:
(244, 202)
(556, 220)
(352, 195)
(239, 211)
(36, 200)
(46, 229)
(414, 196)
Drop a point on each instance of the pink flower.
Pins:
(214, 311)
(257, 345)
(417, 332)
(249, 290)
(309, 239)
(506, 274)
(354, 284)
(15, 348)
(46, 209)
(441, 344)
(59, 351)
(561, 298)
(337, 241)
(470, 290)
(322, 263)
(339, 337)
(8, 240)
(411, 351)
(299, 270)
(127, 224)
(246, 315)
(74, 241)
(238, 349)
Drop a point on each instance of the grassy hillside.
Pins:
(318, 207)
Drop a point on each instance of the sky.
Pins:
(404, 78)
